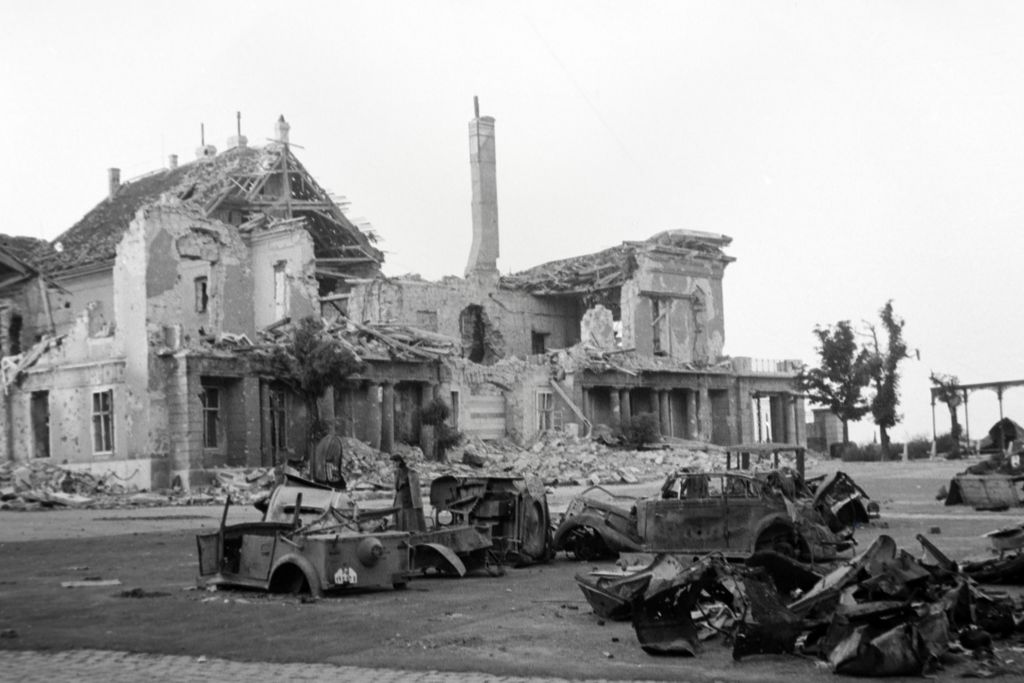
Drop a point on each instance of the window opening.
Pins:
(210, 398)
(202, 294)
(539, 342)
(659, 326)
(278, 419)
(280, 290)
(103, 421)
(40, 424)
(545, 411)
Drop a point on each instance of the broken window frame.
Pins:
(202, 292)
(280, 290)
(211, 416)
(660, 307)
(103, 421)
(545, 410)
(279, 405)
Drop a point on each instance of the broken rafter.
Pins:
(350, 260)
(422, 353)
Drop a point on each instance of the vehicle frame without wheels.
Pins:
(699, 512)
(328, 553)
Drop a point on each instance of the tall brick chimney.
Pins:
(113, 181)
(483, 254)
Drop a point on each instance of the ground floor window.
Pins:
(210, 398)
(545, 411)
(279, 419)
(103, 421)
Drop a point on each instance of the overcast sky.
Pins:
(855, 152)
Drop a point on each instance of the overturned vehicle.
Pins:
(734, 513)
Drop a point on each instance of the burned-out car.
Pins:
(311, 539)
(698, 512)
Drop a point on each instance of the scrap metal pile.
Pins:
(882, 613)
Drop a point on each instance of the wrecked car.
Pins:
(311, 540)
(698, 512)
(512, 512)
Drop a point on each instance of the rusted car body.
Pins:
(322, 547)
(699, 512)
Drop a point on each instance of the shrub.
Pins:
(447, 437)
(435, 412)
(919, 448)
(641, 429)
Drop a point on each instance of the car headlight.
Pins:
(445, 517)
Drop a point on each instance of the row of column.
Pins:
(622, 408)
(380, 413)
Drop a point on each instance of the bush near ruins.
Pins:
(435, 414)
(641, 429)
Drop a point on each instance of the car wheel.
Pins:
(585, 544)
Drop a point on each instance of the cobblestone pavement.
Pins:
(106, 666)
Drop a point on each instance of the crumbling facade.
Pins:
(133, 342)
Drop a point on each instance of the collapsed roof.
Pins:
(264, 185)
(611, 267)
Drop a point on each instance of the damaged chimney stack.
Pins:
(172, 161)
(113, 181)
(238, 140)
(483, 254)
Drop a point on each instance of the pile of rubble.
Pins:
(369, 341)
(38, 484)
(556, 460)
(881, 613)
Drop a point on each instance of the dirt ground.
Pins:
(532, 621)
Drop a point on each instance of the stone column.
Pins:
(387, 418)
(656, 409)
(627, 408)
(616, 408)
(704, 412)
(373, 399)
(691, 415)
(427, 391)
(665, 405)
(791, 436)
(587, 412)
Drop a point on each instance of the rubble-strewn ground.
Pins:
(41, 484)
(531, 621)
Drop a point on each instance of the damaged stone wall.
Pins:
(515, 316)
(672, 306)
(291, 250)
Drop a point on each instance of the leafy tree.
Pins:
(839, 381)
(884, 370)
(947, 389)
(309, 363)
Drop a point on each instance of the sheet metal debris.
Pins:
(881, 613)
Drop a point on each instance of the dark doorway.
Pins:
(40, 410)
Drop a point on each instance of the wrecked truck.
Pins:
(699, 512)
(311, 540)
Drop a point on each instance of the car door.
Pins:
(694, 522)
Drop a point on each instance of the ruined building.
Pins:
(129, 342)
